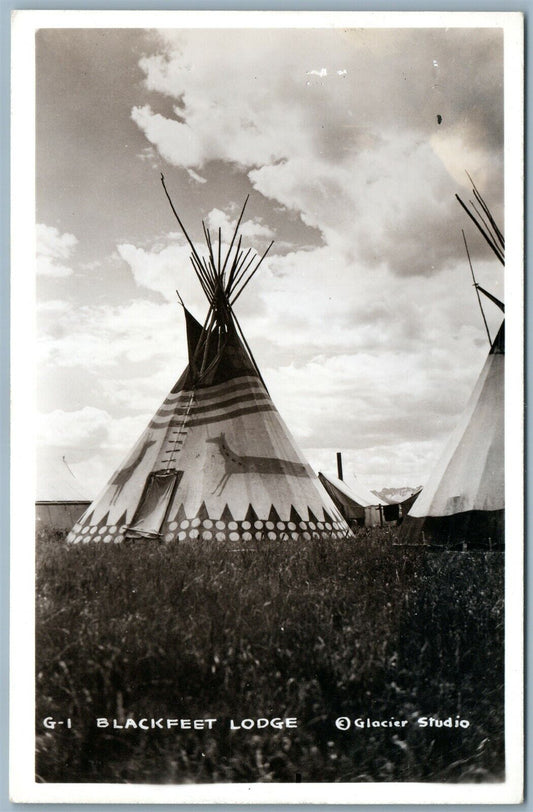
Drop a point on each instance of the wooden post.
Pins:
(339, 464)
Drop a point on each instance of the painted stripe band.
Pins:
(161, 419)
(234, 384)
(216, 418)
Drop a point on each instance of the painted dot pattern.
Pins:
(198, 530)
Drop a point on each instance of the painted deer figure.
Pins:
(238, 464)
(122, 476)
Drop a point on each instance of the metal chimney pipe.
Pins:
(339, 464)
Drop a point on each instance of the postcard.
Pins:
(267, 456)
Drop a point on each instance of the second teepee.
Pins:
(463, 504)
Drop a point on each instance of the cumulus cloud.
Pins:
(161, 269)
(195, 176)
(362, 400)
(52, 249)
(361, 158)
(393, 465)
(93, 441)
(366, 328)
(248, 228)
(67, 430)
(52, 306)
(107, 336)
(165, 266)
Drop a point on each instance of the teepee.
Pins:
(61, 498)
(216, 461)
(463, 504)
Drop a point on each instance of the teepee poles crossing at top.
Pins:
(488, 237)
(488, 213)
(176, 215)
(493, 237)
(222, 280)
(490, 231)
(211, 272)
(234, 235)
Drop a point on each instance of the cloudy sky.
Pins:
(363, 319)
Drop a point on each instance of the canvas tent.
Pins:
(406, 504)
(61, 498)
(357, 504)
(463, 504)
(216, 461)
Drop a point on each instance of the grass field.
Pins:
(316, 631)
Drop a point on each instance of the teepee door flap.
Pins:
(154, 505)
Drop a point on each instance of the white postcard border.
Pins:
(22, 709)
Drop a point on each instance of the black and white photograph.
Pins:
(263, 431)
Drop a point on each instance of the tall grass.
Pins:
(311, 630)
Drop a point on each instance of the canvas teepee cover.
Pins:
(216, 461)
(464, 500)
(356, 503)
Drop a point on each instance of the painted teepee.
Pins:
(463, 504)
(216, 461)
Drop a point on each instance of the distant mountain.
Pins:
(396, 494)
